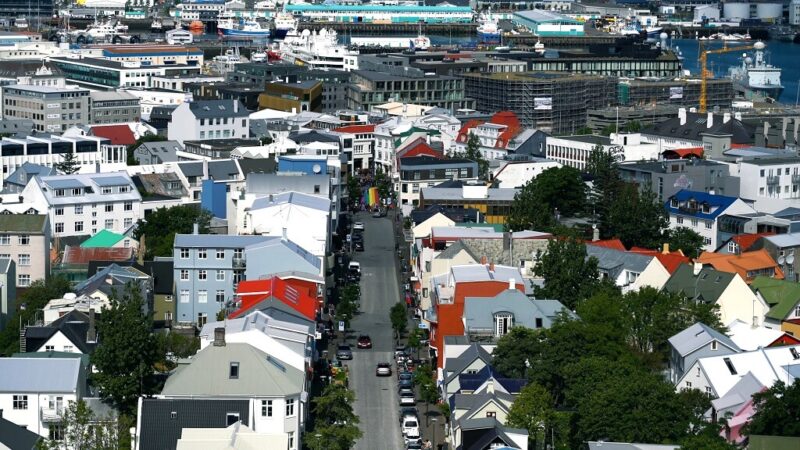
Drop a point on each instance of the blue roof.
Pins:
(183, 52)
(379, 8)
(112, 181)
(65, 183)
(719, 203)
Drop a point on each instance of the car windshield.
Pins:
(411, 424)
(344, 348)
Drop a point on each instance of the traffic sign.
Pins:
(341, 325)
(422, 326)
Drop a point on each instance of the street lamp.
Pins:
(434, 420)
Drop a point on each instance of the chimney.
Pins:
(710, 120)
(205, 169)
(219, 337)
(271, 198)
(682, 115)
(491, 267)
(283, 235)
(91, 333)
(512, 284)
(595, 233)
(665, 249)
(484, 261)
(490, 386)
(196, 228)
(697, 268)
(726, 117)
(236, 106)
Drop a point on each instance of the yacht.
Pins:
(226, 62)
(318, 50)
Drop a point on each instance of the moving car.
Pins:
(364, 341)
(384, 370)
(358, 226)
(407, 399)
(344, 352)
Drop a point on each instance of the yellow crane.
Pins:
(705, 74)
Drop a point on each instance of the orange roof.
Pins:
(356, 129)
(80, 255)
(745, 241)
(420, 149)
(684, 152)
(257, 294)
(507, 118)
(670, 260)
(742, 264)
(463, 133)
(614, 244)
(118, 134)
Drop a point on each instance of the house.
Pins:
(487, 319)
(75, 260)
(193, 175)
(748, 265)
(493, 203)
(109, 239)
(277, 256)
(488, 433)
(727, 290)
(18, 179)
(363, 142)
(35, 397)
(209, 119)
(236, 436)
(420, 172)
(58, 307)
(782, 248)
(736, 408)
(714, 132)
(421, 222)
(25, 240)
(160, 190)
(15, 437)
(741, 243)
(449, 291)
(473, 359)
(117, 134)
(158, 152)
(629, 270)
(8, 291)
(666, 177)
(500, 135)
(516, 174)
(113, 280)
(73, 332)
(671, 260)
(717, 375)
(206, 270)
(432, 263)
(714, 217)
(750, 338)
(767, 181)
(697, 341)
(466, 408)
(253, 295)
(274, 390)
(783, 297)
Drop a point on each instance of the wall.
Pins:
(739, 302)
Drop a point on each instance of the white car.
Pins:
(410, 427)
(407, 399)
(358, 226)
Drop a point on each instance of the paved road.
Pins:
(376, 398)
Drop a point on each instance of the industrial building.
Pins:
(548, 23)
(374, 13)
(552, 102)
(684, 92)
(766, 10)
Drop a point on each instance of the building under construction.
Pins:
(553, 102)
(682, 92)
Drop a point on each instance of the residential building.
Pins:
(575, 151)
(493, 203)
(35, 397)
(361, 157)
(81, 204)
(235, 435)
(256, 295)
(628, 270)
(500, 136)
(75, 260)
(368, 88)
(113, 280)
(209, 119)
(206, 270)
(110, 107)
(783, 297)
(727, 290)
(431, 263)
(210, 149)
(106, 74)
(490, 430)
(697, 341)
(52, 109)
(15, 437)
(472, 358)
(8, 291)
(769, 182)
(158, 152)
(665, 178)
(487, 319)
(515, 174)
(715, 133)
(49, 151)
(19, 178)
(782, 248)
(714, 217)
(750, 338)
(280, 256)
(243, 92)
(292, 97)
(25, 240)
(237, 371)
(748, 265)
(420, 172)
(74, 332)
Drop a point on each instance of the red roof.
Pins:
(420, 149)
(80, 255)
(463, 133)
(696, 152)
(507, 118)
(671, 261)
(258, 294)
(118, 134)
(356, 129)
(745, 241)
(615, 244)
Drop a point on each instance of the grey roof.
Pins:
(497, 194)
(454, 249)
(615, 261)
(295, 198)
(784, 240)
(588, 138)
(257, 166)
(276, 255)
(203, 109)
(26, 171)
(696, 126)
(163, 420)
(14, 437)
(166, 151)
(113, 181)
(74, 325)
(708, 288)
(697, 336)
(271, 183)
(425, 162)
(260, 375)
(218, 240)
(105, 96)
(740, 393)
(40, 375)
(78, 180)
(479, 311)
(456, 365)
(221, 169)
(600, 445)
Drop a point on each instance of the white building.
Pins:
(574, 151)
(702, 212)
(515, 174)
(81, 204)
(150, 98)
(39, 390)
(50, 150)
(768, 182)
(209, 119)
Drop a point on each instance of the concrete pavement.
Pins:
(376, 397)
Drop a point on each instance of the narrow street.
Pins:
(376, 397)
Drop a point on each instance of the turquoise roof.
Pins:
(379, 8)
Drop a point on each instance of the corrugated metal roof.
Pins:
(39, 375)
(698, 335)
(295, 198)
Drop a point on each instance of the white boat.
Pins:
(488, 30)
(318, 50)
(538, 48)
(417, 43)
(120, 27)
(284, 23)
(230, 25)
(179, 36)
(226, 62)
(259, 56)
(95, 31)
(756, 76)
(21, 23)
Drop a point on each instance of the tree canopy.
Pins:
(569, 276)
(335, 423)
(33, 299)
(162, 224)
(558, 190)
(473, 153)
(686, 240)
(777, 411)
(69, 164)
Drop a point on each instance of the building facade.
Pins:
(420, 172)
(25, 239)
(113, 107)
(52, 109)
(209, 119)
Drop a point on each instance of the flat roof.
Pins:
(380, 8)
(542, 16)
(44, 89)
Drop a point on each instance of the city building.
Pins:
(100, 73)
(8, 294)
(113, 107)
(147, 54)
(25, 240)
(209, 119)
(52, 109)
(369, 13)
(292, 97)
(714, 217)
(363, 138)
(679, 91)
(225, 90)
(157, 152)
(493, 203)
(697, 341)
(665, 178)
(548, 23)
(209, 149)
(420, 172)
(368, 88)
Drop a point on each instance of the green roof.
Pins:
(31, 223)
(103, 239)
(496, 226)
(707, 288)
(781, 295)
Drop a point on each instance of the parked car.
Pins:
(405, 376)
(406, 384)
(414, 445)
(410, 424)
(411, 436)
(358, 246)
(358, 226)
(407, 399)
(383, 369)
(364, 341)
(344, 352)
(408, 412)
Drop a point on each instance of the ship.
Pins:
(417, 43)
(317, 50)
(284, 23)
(249, 28)
(755, 76)
(156, 26)
(488, 31)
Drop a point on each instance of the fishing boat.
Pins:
(156, 26)
(197, 25)
(488, 31)
(754, 75)
(317, 50)
(284, 23)
(241, 27)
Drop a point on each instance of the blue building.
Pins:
(370, 13)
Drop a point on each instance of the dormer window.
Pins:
(673, 202)
(233, 372)
(59, 193)
(124, 189)
(105, 190)
(502, 323)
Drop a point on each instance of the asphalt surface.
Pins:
(376, 397)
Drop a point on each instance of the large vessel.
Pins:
(242, 27)
(318, 50)
(488, 31)
(417, 43)
(284, 23)
(756, 76)
(96, 31)
(653, 32)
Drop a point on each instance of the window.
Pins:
(713, 345)
(708, 390)
(23, 280)
(694, 223)
(109, 207)
(109, 224)
(127, 222)
(291, 439)
(707, 241)
(127, 206)
(24, 259)
(20, 402)
(78, 227)
(184, 253)
(231, 418)
(220, 253)
(168, 298)
(679, 220)
(266, 408)
(69, 348)
(202, 296)
(24, 239)
(202, 318)
(49, 348)
(708, 224)
(539, 323)
(5, 239)
(688, 385)
(78, 210)
(184, 296)
(289, 407)
(220, 275)
(59, 211)
(59, 227)
(106, 190)
(184, 275)
(202, 253)
(233, 371)
(491, 413)
(731, 368)
(220, 296)
(502, 323)
(237, 253)
(202, 274)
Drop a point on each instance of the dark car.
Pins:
(405, 384)
(358, 246)
(401, 376)
(364, 341)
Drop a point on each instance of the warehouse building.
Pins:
(548, 23)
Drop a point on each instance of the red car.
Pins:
(364, 341)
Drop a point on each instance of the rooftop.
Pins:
(40, 375)
(28, 223)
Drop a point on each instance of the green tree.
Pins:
(569, 276)
(353, 190)
(399, 318)
(777, 411)
(127, 351)
(29, 305)
(332, 437)
(163, 224)
(533, 411)
(709, 440)
(558, 189)
(632, 126)
(175, 345)
(606, 185)
(473, 153)
(415, 339)
(514, 351)
(529, 212)
(686, 240)
(334, 405)
(69, 164)
(637, 219)
(82, 428)
(347, 307)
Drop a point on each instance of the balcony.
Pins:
(773, 180)
(239, 263)
(52, 414)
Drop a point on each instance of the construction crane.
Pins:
(705, 74)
